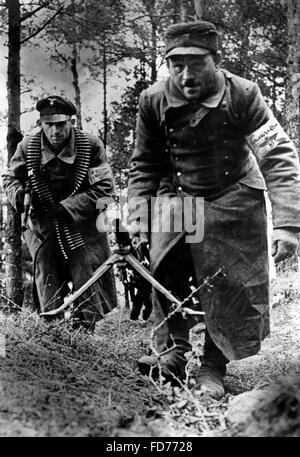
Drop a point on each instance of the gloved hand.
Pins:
(284, 243)
(20, 195)
(58, 212)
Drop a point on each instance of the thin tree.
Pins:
(292, 107)
(14, 286)
(14, 290)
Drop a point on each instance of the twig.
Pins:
(42, 27)
(205, 283)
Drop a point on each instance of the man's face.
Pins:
(194, 75)
(57, 133)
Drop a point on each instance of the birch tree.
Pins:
(17, 15)
(292, 107)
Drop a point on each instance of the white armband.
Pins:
(96, 174)
(266, 138)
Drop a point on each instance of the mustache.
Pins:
(189, 83)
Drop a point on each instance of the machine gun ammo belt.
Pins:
(68, 236)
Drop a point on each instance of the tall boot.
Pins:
(210, 378)
(172, 337)
(172, 344)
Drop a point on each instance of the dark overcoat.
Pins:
(82, 208)
(226, 150)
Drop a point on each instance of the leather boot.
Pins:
(210, 378)
(170, 365)
(172, 343)
(172, 338)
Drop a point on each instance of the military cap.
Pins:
(55, 108)
(197, 38)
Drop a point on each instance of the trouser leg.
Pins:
(49, 276)
(89, 306)
(213, 357)
(174, 274)
(172, 333)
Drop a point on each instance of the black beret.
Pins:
(200, 37)
(55, 105)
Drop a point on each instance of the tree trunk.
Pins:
(105, 114)
(292, 99)
(14, 284)
(292, 107)
(153, 50)
(199, 6)
(151, 8)
(75, 83)
(180, 9)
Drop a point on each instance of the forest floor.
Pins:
(55, 382)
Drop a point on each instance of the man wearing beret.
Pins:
(69, 176)
(207, 134)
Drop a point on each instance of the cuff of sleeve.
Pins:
(103, 203)
(284, 233)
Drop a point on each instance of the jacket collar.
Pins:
(67, 154)
(175, 99)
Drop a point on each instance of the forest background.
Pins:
(102, 53)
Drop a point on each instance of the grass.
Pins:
(55, 381)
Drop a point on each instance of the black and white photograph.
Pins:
(150, 219)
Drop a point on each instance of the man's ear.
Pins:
(218, 60)
(73, 121)
(39, 123)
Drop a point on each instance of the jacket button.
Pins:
(171, 130)
(179, 188)
(179, 173)
(174, 145)
(225, 141)
(226, 173)
(225, 123)
(226, 157)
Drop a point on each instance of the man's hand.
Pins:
(284, 243)
(103, 223)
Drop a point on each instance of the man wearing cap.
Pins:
(208, 134)
(69, 176)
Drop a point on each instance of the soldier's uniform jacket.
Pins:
(228, 149)
(61, 173)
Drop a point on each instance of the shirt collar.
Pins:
(175, 98)
(67, 154)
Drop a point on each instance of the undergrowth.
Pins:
(55, 381)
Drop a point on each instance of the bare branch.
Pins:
(32, 13)
(42, 27)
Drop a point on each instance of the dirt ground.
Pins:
(59, 383)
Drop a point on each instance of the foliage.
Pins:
(123, 121)
(253, 44)
(61, 382)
